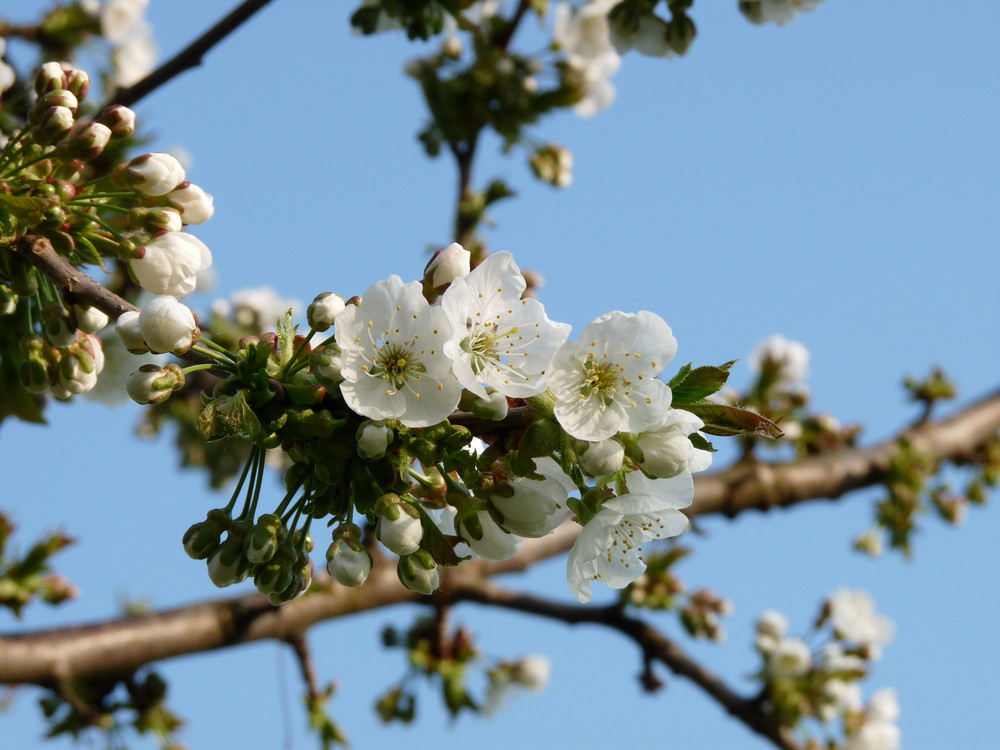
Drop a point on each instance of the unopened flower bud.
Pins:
(167, 326)
(196, 206)
(78, 82)
(263, 539)
(49, 77)
(347, 560)
(170, 263)
(418, 572)
(398, 526)
(445, 266)
(202, 538)
(8, 300)
(601, 457)
(228, 564)
(494, 407)
(54, 125)
(129, 333)
(85, 142)
(57, 98)
(553, 164)
(373, 439)
(323, 310)
(326, 362)
(89, 319)
(664, 453)
(119, 119)
(532, 672)
(154, 174)
(151, 384)
(452, 47)
(57, 327)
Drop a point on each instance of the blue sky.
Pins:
(834, 180)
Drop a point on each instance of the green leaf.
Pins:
(724, 421)
(678, 380)
(701, 443)
(699, 383)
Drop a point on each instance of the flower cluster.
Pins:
(58, 186)
(377, 422)
(823, 683)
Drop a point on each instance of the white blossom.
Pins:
(606, 381)
(609, 549)
(874, 735)
(853, 616)
(121, 19)
(883, 706)
(666, 448)
(500, 340)
(840, 697)
(167, 325)
(171, 264)
(394, 364)
(649, 38)
(584, 35)
(134, 59)
(771, 627)
(790, 357)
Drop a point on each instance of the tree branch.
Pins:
(653, 643)
(190, 57)
(44, 657)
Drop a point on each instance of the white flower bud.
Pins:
(493, 543)
(447, 265)
(532, 672)
(771, 623)
(398, 526)
(373, 439)
(323, 310)
(602, 457)
(790, 658)
(154, 174)
(196, 206)
(418, 572)
(151, 384)
(347, 561)
(89, 319)
(883, 706)
(127, 328)
(167, 326)
(171, 264)
(665, 453)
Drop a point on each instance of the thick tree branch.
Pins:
(190, 57)
(653, 643)
(45, 657)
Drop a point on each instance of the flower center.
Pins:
(600, 380)
(395, 363)
(485, 344)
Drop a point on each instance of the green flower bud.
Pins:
(262, 542)
(418, 572)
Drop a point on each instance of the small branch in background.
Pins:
(304, 657)
(190, 57)
(652, 642)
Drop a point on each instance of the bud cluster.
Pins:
(821, 683)
(58, 184)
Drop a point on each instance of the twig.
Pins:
(190, 57)
(303, 655)
(653, 643)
